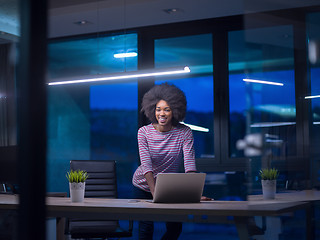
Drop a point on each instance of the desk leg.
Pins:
(242, 227)
(60, 225)
(310, 222)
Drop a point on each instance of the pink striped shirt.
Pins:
(163, 152)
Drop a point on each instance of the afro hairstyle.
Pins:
(174, 97)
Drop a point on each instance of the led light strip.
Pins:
(125, 55)
(121, 76)
(309, 97)
(271, 124)
(263, 82)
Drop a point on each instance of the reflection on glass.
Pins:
(314, 60)
(94, 55)
(313, 34)
(196, 52)
(92, 122)
(9, 37)
(264, 54)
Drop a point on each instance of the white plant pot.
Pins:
(77, 191)
(269, 188)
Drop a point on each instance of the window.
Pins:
(96, 121)
(313, 32)
(264, 54)
(114, 124)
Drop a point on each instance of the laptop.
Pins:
(179, 187)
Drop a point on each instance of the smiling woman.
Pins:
(164, 145)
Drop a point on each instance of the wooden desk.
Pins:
(294, 196)
(235, 212)
(311, 196)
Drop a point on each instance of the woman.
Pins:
(164, 145)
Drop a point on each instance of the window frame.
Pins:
(219, 28)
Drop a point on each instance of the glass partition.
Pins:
(92, 121)
(92, 55)
(9, 39)
(313, 36)
(262, 94)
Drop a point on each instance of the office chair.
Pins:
(101, 183)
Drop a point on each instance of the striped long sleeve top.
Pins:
(163, 152)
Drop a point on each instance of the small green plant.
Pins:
(76, 176)
(269, 174)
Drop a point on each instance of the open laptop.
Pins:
(179, 187)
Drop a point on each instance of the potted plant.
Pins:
(77, 180)
(269, 182)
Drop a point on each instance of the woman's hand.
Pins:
(204, 198)
(150, 180)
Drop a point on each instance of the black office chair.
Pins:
(101, 183)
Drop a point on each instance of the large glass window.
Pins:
(97, 121)
(9, 40)
(262, 88)
(114, 123)
(195, 52)
(313, 30)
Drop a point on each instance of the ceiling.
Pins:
(106, 15)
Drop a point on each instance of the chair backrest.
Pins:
(102, 180)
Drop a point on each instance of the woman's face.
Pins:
(163, 113)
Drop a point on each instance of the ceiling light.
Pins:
(121, 76)
(82, 22)
(172, 10)
(309, 97)
(262, 82)
(125, 55)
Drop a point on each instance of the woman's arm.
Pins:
(188, 151)
(144, 152)
(150, 180)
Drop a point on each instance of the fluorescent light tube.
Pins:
(262, 82)
(125, 55)
(196, 128)
(309, 97)
(272, 124)
(121, 76)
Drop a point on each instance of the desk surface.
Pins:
(144, 210)
(293, 196)
(132, 209)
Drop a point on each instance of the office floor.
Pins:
(194, 231)
(292, 229)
